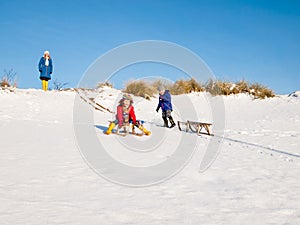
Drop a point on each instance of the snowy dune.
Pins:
(44, 178)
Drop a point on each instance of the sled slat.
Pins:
(195, 127)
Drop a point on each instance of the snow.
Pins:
(295, 94)
(45, 179)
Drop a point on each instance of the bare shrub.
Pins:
(57, 85)
(140, 88)
(186, 86)
(8, 79)
(214, 87)
(105, 84)
(261, 91)
(158, 83)
(217, 87)
(243, 86)
(178, 88)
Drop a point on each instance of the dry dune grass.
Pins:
(214, 87)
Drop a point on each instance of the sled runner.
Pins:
(195, 127)
(127, 128)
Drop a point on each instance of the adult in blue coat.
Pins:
(166, 106)
(45, 67)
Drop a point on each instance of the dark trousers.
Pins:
(167, 115)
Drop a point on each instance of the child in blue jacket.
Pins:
(166, 106)
(45, 67)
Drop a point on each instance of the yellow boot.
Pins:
(132, 128)
(142, 128)
(46, 85)
(43, 85)
(111, 126)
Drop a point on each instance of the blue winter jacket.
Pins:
(165, 102)
(45, 71)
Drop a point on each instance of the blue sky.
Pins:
(253, 40)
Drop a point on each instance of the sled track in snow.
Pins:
(258, 146)
(91, 101)
(247, 144)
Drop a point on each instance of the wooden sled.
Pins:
(195, 127)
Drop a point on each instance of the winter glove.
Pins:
(137, 123)
(157, 109)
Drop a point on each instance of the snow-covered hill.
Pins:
(295, 94)
(46, 179)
